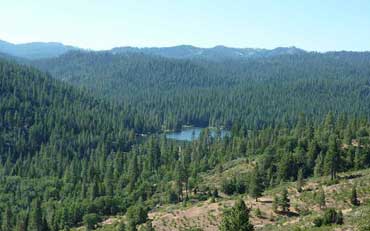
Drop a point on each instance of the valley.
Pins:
(125, 141)
(184, 115)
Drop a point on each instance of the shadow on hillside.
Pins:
(352, 176)
(288, 213)
(265, 201)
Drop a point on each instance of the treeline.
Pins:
(337, 144)
(39, 114)
(165, 93)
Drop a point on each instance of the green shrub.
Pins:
(331, 216)
(91, 220)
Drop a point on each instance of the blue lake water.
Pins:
(193, 133)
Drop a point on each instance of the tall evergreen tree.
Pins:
(22, 221)
(256, 184)
(284, 201)
(321, 198)
(300, 180)
(237, 218)
(319, 165)
(332, 158)
(7, 220)
(36, 220)
(354, 199)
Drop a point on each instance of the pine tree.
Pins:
(321, 198)
(354, 199)
(300, 180)
(331, 216)
(65, 219)
(91, 220)
(7, 220)
(332, 158)
(358, 163)
(94, 190)
(319, 165)
(284, 167)
(215, 193)
(21, 226)
(108, 180)
(22, 220)
(35, 220)
(181, 179)
(236, 219)
(312, 154)
(284, 201)
(136, 215)
(339, 218)
(133, 173)
(329, 122)
(255, 185)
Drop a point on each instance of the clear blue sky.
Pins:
(102, 24)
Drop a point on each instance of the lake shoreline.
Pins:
(193, 133)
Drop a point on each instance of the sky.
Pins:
(315, 25)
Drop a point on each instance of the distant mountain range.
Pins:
(41, 50)
(35, 50)
(215, 53)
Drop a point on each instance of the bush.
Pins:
(137, 215)
(201, 197)
(331, 216)
(215, 193)
(235, 185)
(228, 187)
(240, 186)
(329, 182)
(318, 221)
(172, 197)
(107, 205)
(258, 213)
(91, 220)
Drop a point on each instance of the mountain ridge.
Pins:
(35, 50)
(41, 50)
(219, 52)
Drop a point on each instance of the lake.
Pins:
(192, 133)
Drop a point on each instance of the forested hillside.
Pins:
(37, 110)
(47, 131)
(69, 159)
(256, 93)
(184, 115)
(76, 155)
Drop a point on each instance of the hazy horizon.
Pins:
(143, 47)
(309, 25)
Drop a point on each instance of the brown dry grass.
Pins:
(207, 215)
